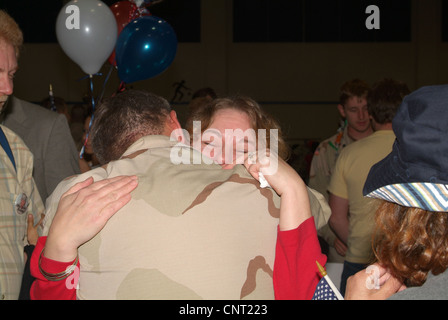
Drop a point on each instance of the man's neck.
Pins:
(357, 135)
(385, 126)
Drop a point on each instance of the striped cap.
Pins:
(415, 173)
(427, 196)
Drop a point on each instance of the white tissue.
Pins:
(263, 182)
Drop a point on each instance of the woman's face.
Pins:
(223, 142)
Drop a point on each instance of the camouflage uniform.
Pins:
(191, 231)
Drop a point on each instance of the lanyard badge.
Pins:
(21, 203)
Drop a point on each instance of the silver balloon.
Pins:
(87, 32)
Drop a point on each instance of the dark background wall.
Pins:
(290, 55)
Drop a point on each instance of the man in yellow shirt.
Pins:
(353, 108)
(352, 214)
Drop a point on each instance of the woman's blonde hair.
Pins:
(10, 32)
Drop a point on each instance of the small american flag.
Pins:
(324, 291)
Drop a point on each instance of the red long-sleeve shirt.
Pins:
(295, 271)
(43, 289)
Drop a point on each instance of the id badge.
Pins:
(21, 203)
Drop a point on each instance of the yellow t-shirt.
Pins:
(347, 181)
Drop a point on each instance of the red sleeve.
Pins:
(43, 289)
(295, 271)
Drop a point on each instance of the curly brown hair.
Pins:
(411, 242)
(259, 118)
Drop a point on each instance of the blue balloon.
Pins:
(145, 48)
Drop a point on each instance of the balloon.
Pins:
(138, 2)
(145, 48)
(124, 12)
(87, 32)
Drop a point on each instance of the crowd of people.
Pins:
(211, 209)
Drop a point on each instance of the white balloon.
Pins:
(138, 3)
(87, 32)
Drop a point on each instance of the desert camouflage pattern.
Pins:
(191, 231)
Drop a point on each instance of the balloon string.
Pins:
(90, 75)
(81, 153)
(100, 97)
(91, 94)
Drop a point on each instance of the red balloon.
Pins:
(124, 12)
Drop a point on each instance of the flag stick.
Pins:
(333, 287)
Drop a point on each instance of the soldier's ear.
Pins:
(171, 123)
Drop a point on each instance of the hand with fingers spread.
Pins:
(83, 211)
